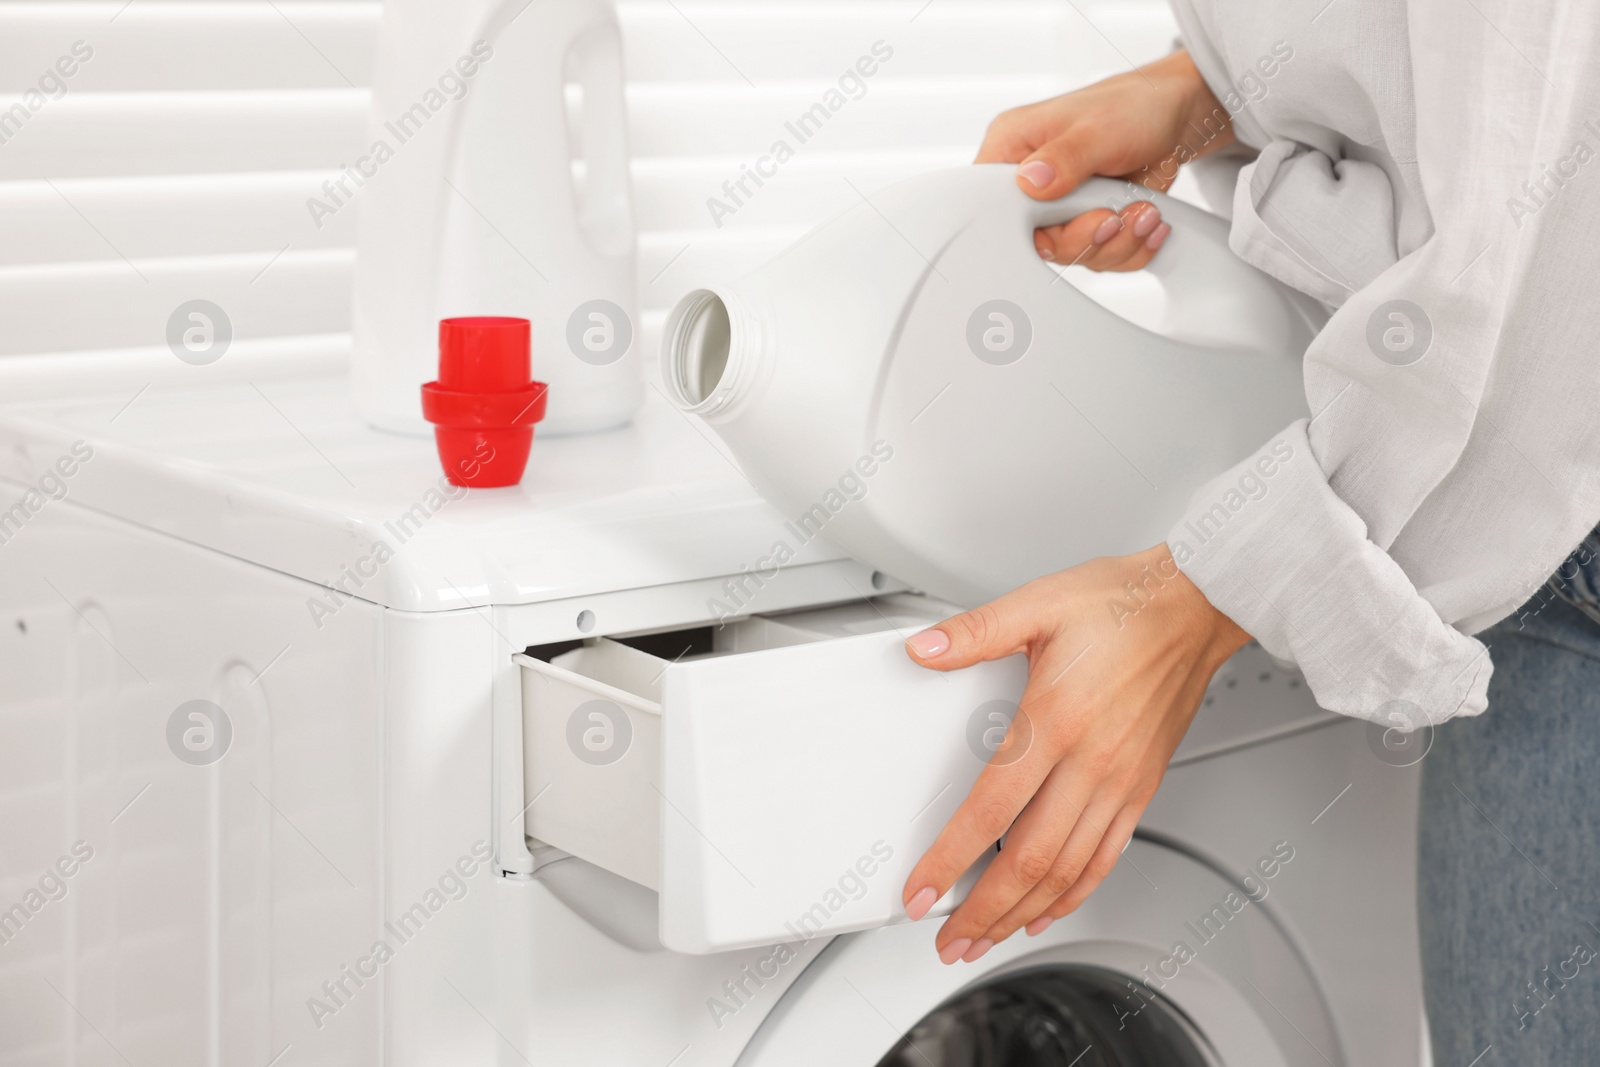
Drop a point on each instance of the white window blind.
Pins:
(175, 160)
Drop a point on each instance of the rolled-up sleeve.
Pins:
(1294, 567)
(1452, 459)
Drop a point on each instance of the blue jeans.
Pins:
(1509, 844)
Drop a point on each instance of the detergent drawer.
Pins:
(773, 778)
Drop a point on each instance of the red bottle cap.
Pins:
(485, 402)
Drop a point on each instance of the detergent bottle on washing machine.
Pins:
(912, 383)
(496, 185)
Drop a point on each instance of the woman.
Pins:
(1421, 169)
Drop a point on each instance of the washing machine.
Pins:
(310, 757)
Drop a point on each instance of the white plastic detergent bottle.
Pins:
(478, 196)
(912, 383)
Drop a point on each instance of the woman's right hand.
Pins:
(1140, 126)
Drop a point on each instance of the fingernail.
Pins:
(979, 947)
(920, 902)
(1045, 253)
(1038, 172)
(952, 952)
(1147, 221)
(929, 643)
(1158, 238)
(1040, 925)
(1107, 230)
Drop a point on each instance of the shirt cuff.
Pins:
(1274, 548)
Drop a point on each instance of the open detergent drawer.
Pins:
(775, 779)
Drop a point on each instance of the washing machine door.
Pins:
(1169, 963)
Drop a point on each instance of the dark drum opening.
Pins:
(1059, 1016)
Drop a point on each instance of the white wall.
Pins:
(177, 160)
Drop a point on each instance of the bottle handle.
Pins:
(605, 208)
(1214, 298)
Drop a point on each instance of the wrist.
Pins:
(1199, 111)
(1211, 633)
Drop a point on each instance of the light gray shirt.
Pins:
(1429, 169)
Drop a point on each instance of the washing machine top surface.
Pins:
(285, 474)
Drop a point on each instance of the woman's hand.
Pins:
(1140, 126)
(1120, 651)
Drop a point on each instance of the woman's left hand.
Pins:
(1120, 651)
